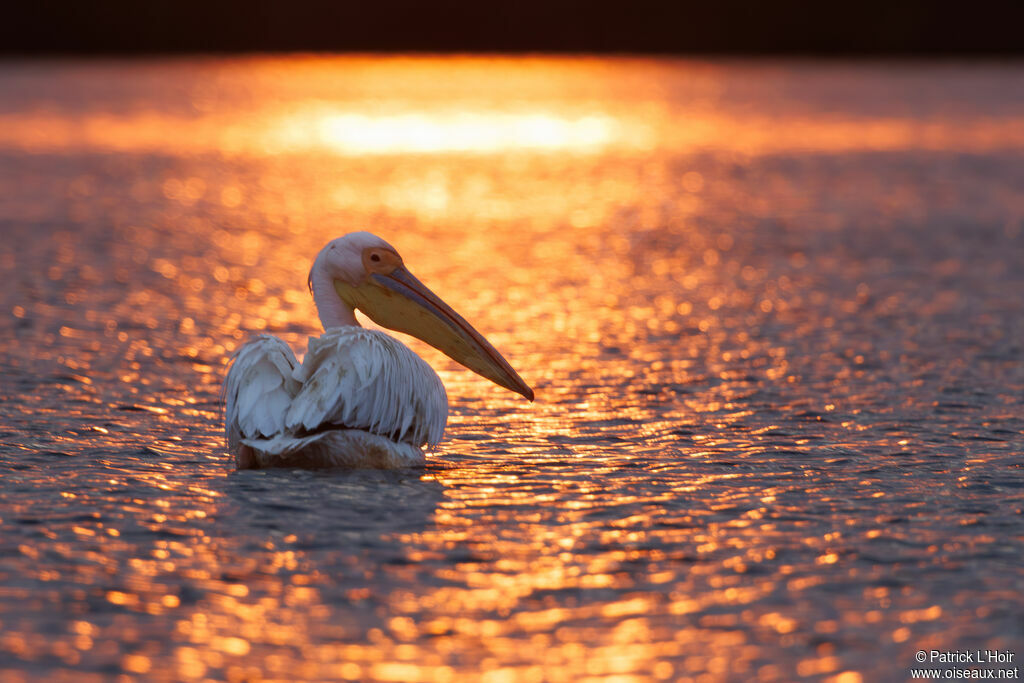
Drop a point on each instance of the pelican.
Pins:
(360, 398)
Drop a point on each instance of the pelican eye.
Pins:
(375, 257)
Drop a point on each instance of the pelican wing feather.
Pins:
(363, 379)
(259, 389)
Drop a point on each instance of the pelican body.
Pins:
(360, 398)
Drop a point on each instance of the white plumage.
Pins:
(365, 379)
(360, 398)
(259, 389)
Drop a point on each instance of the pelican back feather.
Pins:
(259, 389)
(357, 378)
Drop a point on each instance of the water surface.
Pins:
(772, 313)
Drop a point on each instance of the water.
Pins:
(772, 313)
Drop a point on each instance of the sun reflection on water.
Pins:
(358, 107)
(476, 132)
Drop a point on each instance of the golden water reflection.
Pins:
(353, 133)
(716, 289)
(359, 107)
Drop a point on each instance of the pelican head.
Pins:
(360, 271)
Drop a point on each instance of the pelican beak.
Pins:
(398, 301)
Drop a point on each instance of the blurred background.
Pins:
(760, 261)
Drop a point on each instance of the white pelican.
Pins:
(360, 398)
